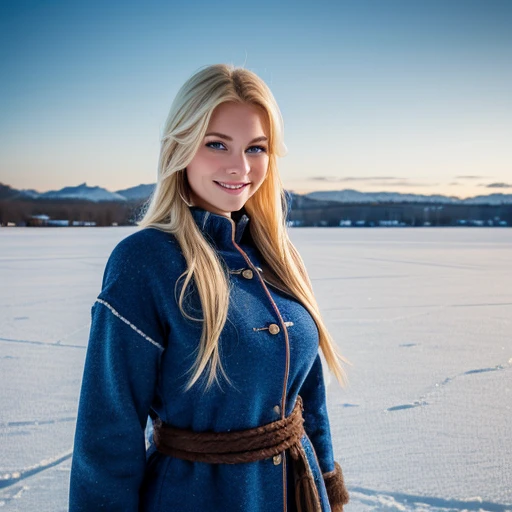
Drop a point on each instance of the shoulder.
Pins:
(144, 248)
(144, 239)
(138, 275)
(132, 281)
(141, 255)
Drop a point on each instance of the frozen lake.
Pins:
(423, 314)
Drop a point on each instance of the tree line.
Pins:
(310, 213)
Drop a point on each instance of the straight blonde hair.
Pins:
(168, 210)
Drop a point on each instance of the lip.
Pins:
(232, 191)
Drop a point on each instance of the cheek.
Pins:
(201, 166)
(262, 168)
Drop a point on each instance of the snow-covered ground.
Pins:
(423, 315)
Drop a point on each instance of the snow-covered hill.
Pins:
(143, 192)
(354, 196)
(490, 199)
(140, 192)
(83, 191)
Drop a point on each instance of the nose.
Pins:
(238, 164)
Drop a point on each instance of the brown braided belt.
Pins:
(246, 446)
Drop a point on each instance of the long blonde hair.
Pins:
(168, 210)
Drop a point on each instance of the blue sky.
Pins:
(393, 95)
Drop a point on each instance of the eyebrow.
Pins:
(227, 137)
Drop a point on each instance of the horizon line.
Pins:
(287, 189)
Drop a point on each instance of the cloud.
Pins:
(351, 178)
(469, 177)
(404, 183)
(454, 183)
(497, 185)
(374, 180)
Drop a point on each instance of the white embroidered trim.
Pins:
(138, 331)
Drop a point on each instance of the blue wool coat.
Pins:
(140, 349)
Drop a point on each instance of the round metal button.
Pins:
(247, 273)
(273, 328)
(277, 410)
(277, 459)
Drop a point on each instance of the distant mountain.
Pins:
(7, 192)
(490, 199)
(29, 193)
(304, 202)
(317, 199)
(353, 196)
(84, 192)
(140, 192)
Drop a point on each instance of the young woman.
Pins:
(207, 323)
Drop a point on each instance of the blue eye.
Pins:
(215, 145)
(220, 146)
(260, 149)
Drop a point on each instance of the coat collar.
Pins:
(219, 229)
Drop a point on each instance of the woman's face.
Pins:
(234, 152)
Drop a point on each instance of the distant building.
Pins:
(54, 222)
(390, 223)
(38, 220)
(83, 223)
(44, 220)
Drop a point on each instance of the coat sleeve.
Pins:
(317, 427)
(118, 386)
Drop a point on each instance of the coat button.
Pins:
(277, 459)
(273, 328)
(277, 410)
(247, 273)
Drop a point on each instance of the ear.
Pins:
(336, 489)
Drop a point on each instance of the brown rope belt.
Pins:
(246, 446)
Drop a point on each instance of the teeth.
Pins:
(230, 186)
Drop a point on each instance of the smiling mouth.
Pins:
(230, 186)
